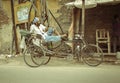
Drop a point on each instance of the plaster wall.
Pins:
(6, 30)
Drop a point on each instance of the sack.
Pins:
(22, 43)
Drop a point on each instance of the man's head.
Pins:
(36, 20)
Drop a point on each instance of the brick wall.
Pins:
(99, 17)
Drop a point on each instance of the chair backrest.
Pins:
(102, 35)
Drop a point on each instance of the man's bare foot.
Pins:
(64, 37)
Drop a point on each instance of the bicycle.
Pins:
(89, 53)
(40, 54)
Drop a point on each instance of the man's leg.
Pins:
(53, 38)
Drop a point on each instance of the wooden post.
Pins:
(75, 24)
(14, 28)
(83, 18)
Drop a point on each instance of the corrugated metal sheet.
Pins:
(91, 3)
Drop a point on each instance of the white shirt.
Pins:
(38, 30)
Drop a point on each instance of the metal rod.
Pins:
(57, 22)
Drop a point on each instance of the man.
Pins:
(45, 32)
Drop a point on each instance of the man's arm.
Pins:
(43, 28)
(31, 29)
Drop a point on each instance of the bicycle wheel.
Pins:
(27, 56)
(39, 56)
(28, 50)
(92, 55)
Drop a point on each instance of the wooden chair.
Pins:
(103, 37)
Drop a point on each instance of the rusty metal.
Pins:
(56, 21)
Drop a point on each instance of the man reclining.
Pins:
(46, 32)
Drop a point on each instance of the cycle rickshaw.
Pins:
(40, 52)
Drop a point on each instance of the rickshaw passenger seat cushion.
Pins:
(24, 32)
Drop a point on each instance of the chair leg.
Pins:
(109, 48)
(98, 46)
(114, 46)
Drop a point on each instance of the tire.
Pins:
(92, 55)
(27, 57)
(39, 56)
(34, 55)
